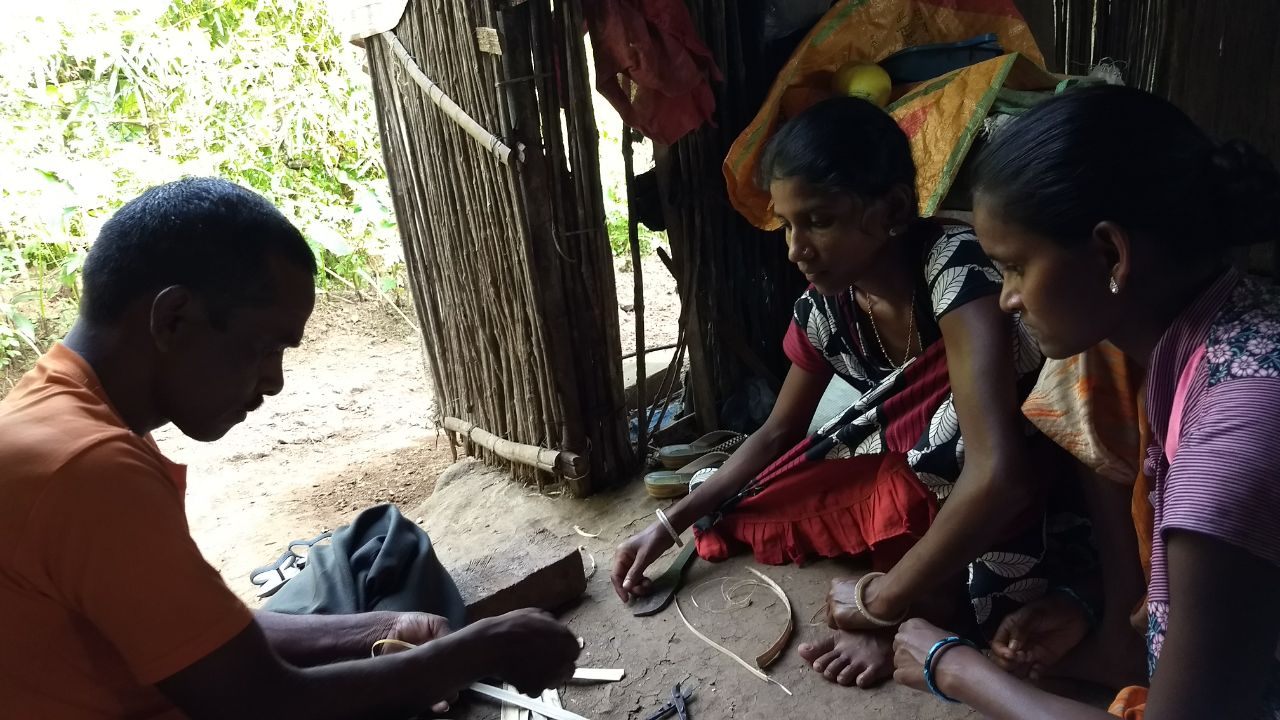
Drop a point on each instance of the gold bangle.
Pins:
(859, 602)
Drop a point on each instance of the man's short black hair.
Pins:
(206, 234)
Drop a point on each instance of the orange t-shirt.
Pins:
(103, 592)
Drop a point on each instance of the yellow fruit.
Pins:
(863, 80)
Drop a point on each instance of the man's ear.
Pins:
(173, 312)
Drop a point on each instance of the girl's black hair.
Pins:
(844, 144)
(1119, 154)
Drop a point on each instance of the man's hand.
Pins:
(528, 648)
(634, 556)
(417, 628)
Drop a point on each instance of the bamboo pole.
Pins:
(450, 108)
(637, 275)
(545, 459)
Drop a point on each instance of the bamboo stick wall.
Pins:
(736, 286)
(509, 264)
(1216, 60)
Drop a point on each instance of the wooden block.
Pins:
(521, 575)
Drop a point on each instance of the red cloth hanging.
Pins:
(652, 66)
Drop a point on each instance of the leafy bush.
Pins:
(105, 99)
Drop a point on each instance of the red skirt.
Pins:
(804, 510)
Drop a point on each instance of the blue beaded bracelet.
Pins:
(932, 657)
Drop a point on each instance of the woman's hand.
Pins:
(634, 556)
(1035, 637)
(910, 648)
(842, 609)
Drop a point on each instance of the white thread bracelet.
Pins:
(662, 518)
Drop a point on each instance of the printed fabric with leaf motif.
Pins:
(909, 409)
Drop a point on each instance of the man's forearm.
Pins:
(309, 640)
(396, 686)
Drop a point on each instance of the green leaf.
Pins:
(327, 238)
(24, 327)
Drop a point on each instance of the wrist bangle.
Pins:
(662, 518)
(931, 658)
(859, 602)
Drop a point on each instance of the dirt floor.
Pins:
(475, 508)
(661, 305)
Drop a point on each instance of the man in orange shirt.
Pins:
(192, 293)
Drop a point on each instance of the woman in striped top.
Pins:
(1111, 214)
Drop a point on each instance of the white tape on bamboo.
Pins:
(445, 103)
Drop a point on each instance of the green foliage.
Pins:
(613, 176)
(106, 99)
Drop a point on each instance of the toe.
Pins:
(850, 674)
(821, 663)
(874, 675)
(811, 652)
(835, 667)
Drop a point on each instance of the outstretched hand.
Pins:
(910, 648)
(1032, 639)
(633, 557)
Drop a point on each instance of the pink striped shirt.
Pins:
(1224, 478)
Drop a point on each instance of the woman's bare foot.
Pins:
(849, 658)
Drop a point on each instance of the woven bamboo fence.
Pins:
(491, 149)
